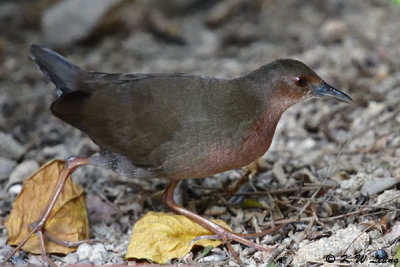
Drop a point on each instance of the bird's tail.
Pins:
(57, 68)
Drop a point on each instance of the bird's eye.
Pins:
(301, 81)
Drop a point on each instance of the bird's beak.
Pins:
(329, 91)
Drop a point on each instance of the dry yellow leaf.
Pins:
(161, 236)
(68, 220)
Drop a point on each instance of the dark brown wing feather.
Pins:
(120, 114)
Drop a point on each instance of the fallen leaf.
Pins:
(160, 236)
(249, 203)
(206, 250)
(68, 220)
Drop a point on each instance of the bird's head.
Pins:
(291, 81)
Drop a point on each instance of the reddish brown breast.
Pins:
(227, 157)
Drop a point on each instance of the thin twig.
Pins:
(233, 252)
(284, 191)
(343, 204)
(365, 230)
(309, 202)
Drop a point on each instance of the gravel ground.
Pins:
(333, 169)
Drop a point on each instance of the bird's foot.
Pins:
(246, 236)
(70, 244)
(226, 235)
(38, 227)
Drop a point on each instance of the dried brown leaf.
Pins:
(68, 220)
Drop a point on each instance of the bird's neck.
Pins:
(258, 140)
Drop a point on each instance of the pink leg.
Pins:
(222, 233)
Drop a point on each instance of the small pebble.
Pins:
(9, 147)
(333, 31)
(381, 254)
(279, 173)
(115, 259)
(96, 253)
(3, 241)
(213, 258)
(15, 189)
(35, 260)
(99, 254)
(215, 211)
(22, 171)
(84, 251)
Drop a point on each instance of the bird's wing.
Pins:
(132, 115)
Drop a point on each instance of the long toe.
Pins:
(69, 244)
(240, 239)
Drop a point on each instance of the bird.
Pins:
(176, 126)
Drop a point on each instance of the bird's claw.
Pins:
(210, 237)
(230, 236)
(39, 230)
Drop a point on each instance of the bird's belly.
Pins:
(216, 157)
(220, 158)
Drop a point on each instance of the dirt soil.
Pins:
(331, 177)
